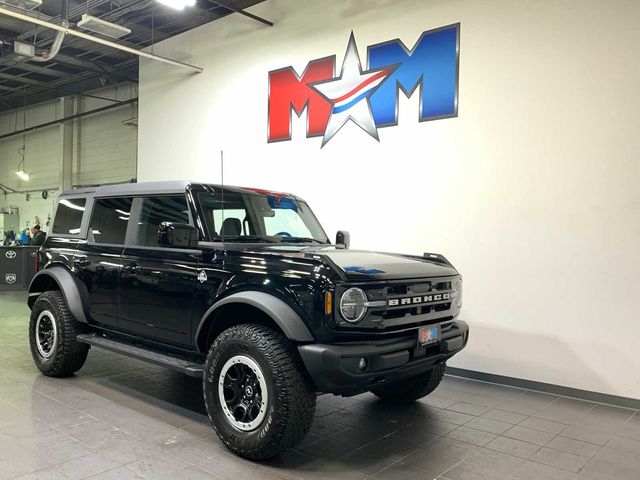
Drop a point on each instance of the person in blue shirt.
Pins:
(25, 236)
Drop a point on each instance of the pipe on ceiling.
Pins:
(43, 55)
(47, 55)
(91, 38)
(69, 118)
(57, 42)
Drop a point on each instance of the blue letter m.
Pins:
(432, 64)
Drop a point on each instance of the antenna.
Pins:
(222, 190)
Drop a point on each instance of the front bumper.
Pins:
(334, 368)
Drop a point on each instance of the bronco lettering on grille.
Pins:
(394, 302)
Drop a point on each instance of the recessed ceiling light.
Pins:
(178, 4)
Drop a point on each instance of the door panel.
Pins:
(98, 262)
(157, 284)
(98, 267)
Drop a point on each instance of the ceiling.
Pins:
(82, 65)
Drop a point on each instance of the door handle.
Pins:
(81, 262)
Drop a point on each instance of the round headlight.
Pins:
(352, 305)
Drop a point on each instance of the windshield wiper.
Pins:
(301, 240)
(251, 238)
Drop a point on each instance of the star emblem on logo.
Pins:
(349, 94)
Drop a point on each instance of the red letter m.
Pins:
(289, 91)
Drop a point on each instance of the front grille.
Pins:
(400, 305)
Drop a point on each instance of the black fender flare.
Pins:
(282, 314)
(75, 294)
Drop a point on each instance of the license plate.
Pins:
(428, 336)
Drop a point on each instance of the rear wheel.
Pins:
(412, 388)
(52, 336)
(257, 393)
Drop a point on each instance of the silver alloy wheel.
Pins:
(46, 334)
(243, 393)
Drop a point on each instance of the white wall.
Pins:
(532, 191)
(104, 150)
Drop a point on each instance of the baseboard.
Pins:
(546, 388)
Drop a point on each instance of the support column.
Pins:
(77, 123)
(66, 144)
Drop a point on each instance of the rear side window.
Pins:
(154, 211)
(68, 217)
(109, 220)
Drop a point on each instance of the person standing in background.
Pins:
(38, 236)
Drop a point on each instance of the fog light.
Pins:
(362, 364)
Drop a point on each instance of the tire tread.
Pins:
(293, 423)
(70, 354)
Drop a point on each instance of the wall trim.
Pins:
(546, 388)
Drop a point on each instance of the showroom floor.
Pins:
(120, 418)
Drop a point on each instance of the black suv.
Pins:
(243, 288)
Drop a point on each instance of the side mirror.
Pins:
(343, 238)
(177, 235)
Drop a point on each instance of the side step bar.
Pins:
(147, 355)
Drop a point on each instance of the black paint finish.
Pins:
(177, 299)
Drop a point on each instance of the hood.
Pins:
(359, 265)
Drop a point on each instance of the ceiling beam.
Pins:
(96, 66)
(44, 95)
(108, 43)
(241, 12)
(19, 79)
(47, 71)
(66, 119)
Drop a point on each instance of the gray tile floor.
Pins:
(122, 419)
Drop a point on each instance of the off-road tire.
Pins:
(291, 396)
(68, 354)
(413, 388)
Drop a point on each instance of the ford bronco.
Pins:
(240, 287)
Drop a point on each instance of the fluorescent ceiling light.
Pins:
(178, 4)
(23, 175)
(24, 4)
(97, 25)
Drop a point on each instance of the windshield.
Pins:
(261, 216)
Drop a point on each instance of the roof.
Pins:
(142, 188)
(155, 188)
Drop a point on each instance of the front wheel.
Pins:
(257, 394)
(52, 336)
(412, 388)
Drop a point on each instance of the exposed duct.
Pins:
(48, 54)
